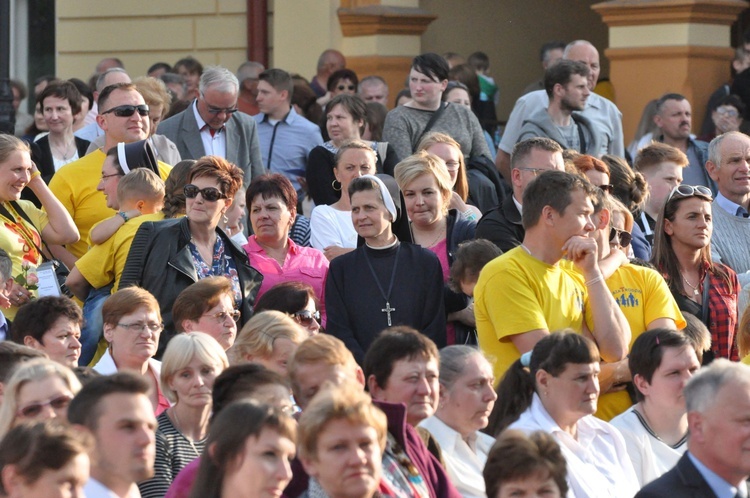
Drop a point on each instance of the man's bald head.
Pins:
(584, 51)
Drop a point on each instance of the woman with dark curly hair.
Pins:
(167, 256)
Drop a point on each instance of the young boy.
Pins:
(661, 165)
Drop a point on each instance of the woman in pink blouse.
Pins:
(272, 203)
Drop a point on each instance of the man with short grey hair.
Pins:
(213, 125)
(373, 89)
(717, 463)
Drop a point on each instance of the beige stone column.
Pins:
(659, 46)
(382, 38)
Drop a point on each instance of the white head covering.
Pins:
(385, 193)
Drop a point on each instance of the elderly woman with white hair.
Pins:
(467, 397)
(191, 363)
(384, 282)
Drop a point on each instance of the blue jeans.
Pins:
(91, 332)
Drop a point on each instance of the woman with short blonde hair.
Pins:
(426, 185)
(269, 338)
(346, 414)
(190, 365)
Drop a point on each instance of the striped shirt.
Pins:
(173, 452)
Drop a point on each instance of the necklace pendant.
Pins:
(696, 292)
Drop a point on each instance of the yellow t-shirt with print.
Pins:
(643, 296)
(517, 293)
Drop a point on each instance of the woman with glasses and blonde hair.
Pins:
(208, 306)
(270, 339)
(682, 253)
(132, 326)
(166, 257)
(190, 365)
(447, 149)
(38, 390)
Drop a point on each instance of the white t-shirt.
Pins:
(331, 227)
(651, 457)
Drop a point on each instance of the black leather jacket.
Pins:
(159, 261)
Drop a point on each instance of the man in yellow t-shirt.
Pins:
(124, 118)
(641, 293)
(525, 294)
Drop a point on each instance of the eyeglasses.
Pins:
(341, 88)
(623, 237)
(606, 188)
(222, 316)
(535, 171)
(141, 327)
(219, 110)
(211, 194)
(452, 165)
(104, 177)
(689, 191)
(125, 111)
(306, 317)
(728, 112)
(34, 409)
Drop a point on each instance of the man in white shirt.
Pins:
(117, 412)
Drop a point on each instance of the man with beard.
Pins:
(674, 119)
(567, 89)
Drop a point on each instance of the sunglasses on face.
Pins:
(623, 237)
(34, 409)
(606, 188)
(125, 111)
(211, 194)
(690, 191)
(306, 317)
(341, 88)
(222, 316)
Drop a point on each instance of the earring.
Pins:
(333, 185)
(224, 218)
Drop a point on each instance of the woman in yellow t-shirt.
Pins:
(21, 237)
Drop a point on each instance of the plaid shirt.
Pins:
(722, 314)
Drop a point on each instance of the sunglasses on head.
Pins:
(306, 317)
(125, 111)
(34, 409)
(210, 194)
(689, 191)
(623, 237)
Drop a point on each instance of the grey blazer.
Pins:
(243, 148)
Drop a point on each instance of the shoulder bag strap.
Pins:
(435, 116)
(23, 215)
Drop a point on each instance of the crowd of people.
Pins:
(243, 285)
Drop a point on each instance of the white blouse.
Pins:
(463, 463)
(598, 461)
